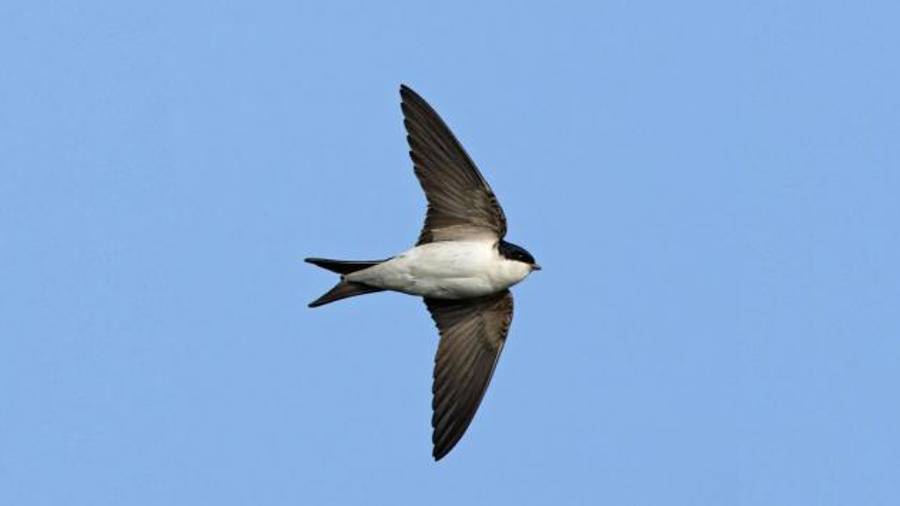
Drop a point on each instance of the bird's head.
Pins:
(516, 253)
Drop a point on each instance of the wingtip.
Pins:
(441, 449)
(407, 93)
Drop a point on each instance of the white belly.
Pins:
(446, 270)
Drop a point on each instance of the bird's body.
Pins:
(460, 265)
(446, 270)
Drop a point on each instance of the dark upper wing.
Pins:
(461, 205)
(472, 335)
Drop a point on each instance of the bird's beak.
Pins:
(535, 267)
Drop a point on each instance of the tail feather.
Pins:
(342, 290)
(343, 266)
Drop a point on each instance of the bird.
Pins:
(461, 266)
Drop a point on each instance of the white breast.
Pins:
(446, 270)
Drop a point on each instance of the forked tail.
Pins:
(344, 288)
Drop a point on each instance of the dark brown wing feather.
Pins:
(461, 204)
(473, 332)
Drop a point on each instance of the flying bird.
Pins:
(461, 265)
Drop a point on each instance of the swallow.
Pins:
(461, 266)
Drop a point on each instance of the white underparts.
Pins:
(446, 270)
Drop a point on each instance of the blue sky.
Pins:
(711, 187)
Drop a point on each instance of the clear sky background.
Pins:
(713, 189)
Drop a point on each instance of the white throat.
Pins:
(509, 272)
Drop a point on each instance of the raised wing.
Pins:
(461, 204)
(473, 332)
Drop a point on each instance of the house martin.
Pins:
(461, 266)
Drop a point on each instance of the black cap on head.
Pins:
(518, 253)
